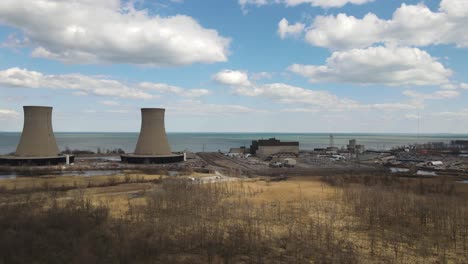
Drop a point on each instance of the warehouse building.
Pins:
(272, 146)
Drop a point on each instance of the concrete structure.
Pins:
(354, 148)
(273, 146)
(435, 163)
(37, 145)
(331, 150)
(241, 150)
(152, 146)
(460, 144)
(289, 162)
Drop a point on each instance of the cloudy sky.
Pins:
(238, 65)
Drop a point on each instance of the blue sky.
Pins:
(237, 66)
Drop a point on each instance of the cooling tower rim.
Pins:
(35, 161)
(13, 157)
(152, 159)
(37, 106)
(152, 109)
(152, 156)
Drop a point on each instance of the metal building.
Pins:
(37, 145)
(268, 147)
(152, 146)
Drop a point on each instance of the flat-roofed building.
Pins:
(272, 146)
(461, 144)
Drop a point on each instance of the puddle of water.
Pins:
(90, 173)
(173, 173)
(426, 173)
(108, 158)
(398, 170)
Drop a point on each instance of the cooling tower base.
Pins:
(35, 161)
(147, 159)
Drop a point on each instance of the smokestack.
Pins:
(152, 139)
(37, 138)
(152, 146)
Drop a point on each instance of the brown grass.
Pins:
(69, 181)
(301, 220)
(294, 189)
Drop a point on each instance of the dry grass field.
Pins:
(70, 181)
(369, 219)
(294, 189)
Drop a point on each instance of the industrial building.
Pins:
(152, 146)
(460, 144)
(238, 152)
(37, 145)
(272, 146)
(354, 148)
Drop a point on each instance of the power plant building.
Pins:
(354, 148)
(37, 145)
(272, 146)
(152, 146)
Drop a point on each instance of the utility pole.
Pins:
(357, 159)
(418, 124)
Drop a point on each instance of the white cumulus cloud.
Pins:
(410, 25)
(319, 3)
(165, 88)
(111, 31)
(464, 86)
(231, 77)
(7, 113)
(109, 103)
(95, 85)
(198, 108)
(16, 77)
(437, 95)
(461, 114)
(391, 66)
(304, 100)
(285, 29)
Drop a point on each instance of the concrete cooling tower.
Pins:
(152, 146)
(37, 139)
(37, 145)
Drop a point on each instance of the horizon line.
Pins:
(266, 132)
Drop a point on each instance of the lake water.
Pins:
(223, 141)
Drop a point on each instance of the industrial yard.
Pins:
(399, 162)
(37, 153)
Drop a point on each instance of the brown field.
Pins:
(369, 219)
(294, 189)
(68, 181)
